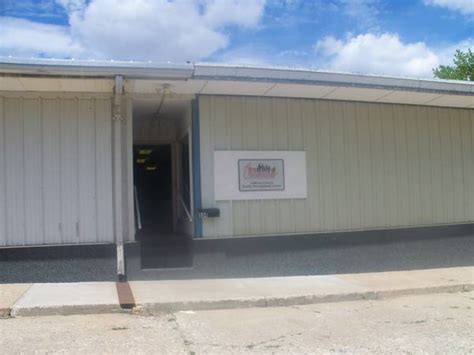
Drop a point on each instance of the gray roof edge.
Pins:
(224, 72)
(303, 76)
(62, 67)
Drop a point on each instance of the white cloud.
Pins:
(377, 54)
(245, 13)
(364, 12)
(157, 30)
(26, 38)
(466, 7)
(369, 53)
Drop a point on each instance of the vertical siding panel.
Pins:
(413, 166)
(269, 210)
(425, 166)
(471, 189)
(207, 156)
(220, 129)
(14, 172)
(339, 167)
(365, 166)
(69, 182)
(296, 142)
(221, 136)
(239, 208)
(251, 136)
(352, 181)
(51, 171)
(436, 166)
(3, 192)
(280, 127)
(224, 137)
(457, 166)
(470, 115)
(295, 125)
(33, 172)
(390, 165)
(310, 141)
(468, 164)
(404, 206)
(86, 172)
(446, 164)
(250, 123)
(266, 124)
(236, 129)
(285, 217)
(377, 165)
(325, 156)
(103, 169)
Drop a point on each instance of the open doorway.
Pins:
(153, 191)
(162, 179)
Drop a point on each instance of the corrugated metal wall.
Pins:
(55, 170)
(369, 165)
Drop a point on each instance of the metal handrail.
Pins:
(188, 214)
(137, 207)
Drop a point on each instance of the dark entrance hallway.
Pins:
(161, 247)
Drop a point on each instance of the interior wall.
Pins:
(148, 129)
(183, 125)
(369, 165)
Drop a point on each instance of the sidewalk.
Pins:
(149, 297)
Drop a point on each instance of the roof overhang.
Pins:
(210, 79)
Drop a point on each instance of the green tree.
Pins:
(463, 68)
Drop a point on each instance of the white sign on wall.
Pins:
(253, 175)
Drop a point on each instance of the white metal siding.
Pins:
(55, 170)
(369, 165)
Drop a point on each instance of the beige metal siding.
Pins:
(368, 165)
(55, 170)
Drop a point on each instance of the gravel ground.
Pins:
(432, 324)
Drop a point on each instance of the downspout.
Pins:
(117, 175)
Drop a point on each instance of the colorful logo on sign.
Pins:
(261, 175)
(260, 171)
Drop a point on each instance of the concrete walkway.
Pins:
(177, 295)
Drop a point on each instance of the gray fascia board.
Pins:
(76, 68)
(292, 76)
(222, 72)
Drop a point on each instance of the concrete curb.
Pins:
(66, 310)
(12, 298)
(231, 303)
(165, 307)
(44, 299)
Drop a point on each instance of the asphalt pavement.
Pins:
(423, 324)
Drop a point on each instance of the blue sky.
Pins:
(399, 37)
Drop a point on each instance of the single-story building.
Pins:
(189, 167)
